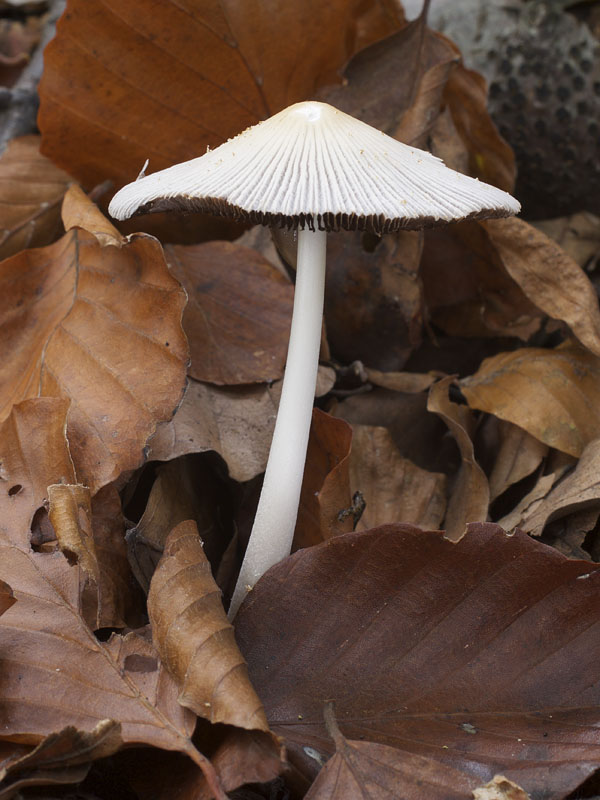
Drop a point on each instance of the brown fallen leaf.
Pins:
(500, 788)
(100, 326)
(491, 158)
(31, 192)
(576, 492)
(552, 394)
(550, 278)
(394, 489)
(238, 314)
(360, 770)
(237, 423)
(121, 85)
(467, 290)
(55, 672)
(61, 758)
(472, 656)
(7, 598)
(186, 488)
(578, 235)
(78, 211)
(518, 455)
(325, 496)
(470, 495)
(381, 287)
(401, 381)
(195, 641)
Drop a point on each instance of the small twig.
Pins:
(332, 727)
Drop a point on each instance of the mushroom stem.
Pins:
(273, 530)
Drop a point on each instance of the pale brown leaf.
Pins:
(470, 495)
(78, 211)
(500, 788)
(518, 455)
(195, 641)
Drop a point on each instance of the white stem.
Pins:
(273, 530)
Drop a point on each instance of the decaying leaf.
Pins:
(121, 85)
(55, 672)
(238, 314)
(394, 489)
(518, 455)
(500, 788)
(550, 278)
(373, 304)
(61, 758)
(236, 423)
(552, 394)
(78, 211)
(473, 656)
(195, 641)
(325, 498)
(100, 326)
(470, 495)
(7, 598)
(578, 235)
(31, 192)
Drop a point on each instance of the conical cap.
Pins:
(312, 165)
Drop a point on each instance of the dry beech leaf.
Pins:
(78, 211)
(185, 488)
(383, 291)
(325, 498)
(7, 598)
(55, 672)
(491, 158)
(518, 455)
(91, 533)
(578, 235)
(576, 492)
(31, 192)
(550, 278)
(236, 423)
(63, 757)
(552, 394)
(401, 381)
(528, 504)
(362, 770)
(394, 489)
(500, 788)
(477, 298)
(473, 656)
(100, 326)
(195, 641)
(121, 85)
(470, 496)
(238, 314)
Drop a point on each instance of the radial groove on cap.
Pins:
(312, 165)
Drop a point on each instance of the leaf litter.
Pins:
(139, 390)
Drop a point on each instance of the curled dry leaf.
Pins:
(578, 235)
(394, 489)
(401, 381)
(121, 85)
(61, 758)
(55, 672)
(325, 499)
(238, 314)
(470, 496)
(578, 491)
(405, 631)
(195, 641)
(31, 192)
(518, 455)
(78, 211)
(549, 277)
(236, 423)
(552, 394)
(100, 326)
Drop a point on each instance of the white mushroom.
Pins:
(317, 169)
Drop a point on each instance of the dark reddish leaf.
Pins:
(325, 492)
(238, 314)
(477, 656)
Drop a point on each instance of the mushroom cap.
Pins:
(313, 165)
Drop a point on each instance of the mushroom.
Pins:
(315, 169)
